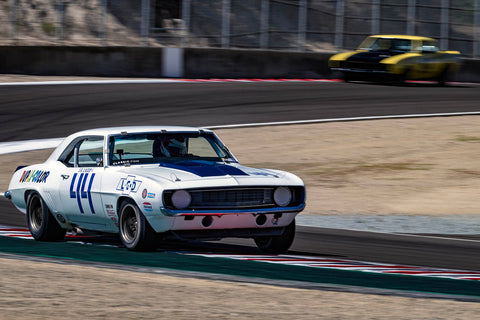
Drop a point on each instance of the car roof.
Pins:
(402, 36)
(134, 129)
(117, 131)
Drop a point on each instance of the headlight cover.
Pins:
(181, 199)
(282, 196)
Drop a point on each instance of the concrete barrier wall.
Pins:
(82, 61)
(221, 63)
(175, 62)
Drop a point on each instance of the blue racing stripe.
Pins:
(205, 168)
(90, 193)
(79, 201)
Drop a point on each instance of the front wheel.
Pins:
(277, 244)
(347, 76)
(135, 232)
(40, 221)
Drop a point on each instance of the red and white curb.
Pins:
(319, 262)
(24, 233)
(21, 233)
(296, 260)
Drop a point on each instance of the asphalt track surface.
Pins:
(34, 112)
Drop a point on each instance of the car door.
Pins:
(80, 184)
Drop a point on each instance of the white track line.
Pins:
(154, 81)
(30, 145)
(47, 83)
(404, 116)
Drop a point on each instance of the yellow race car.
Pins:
(396, 58)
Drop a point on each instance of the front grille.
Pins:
(240, 198)
(363, 65)
(231, 198)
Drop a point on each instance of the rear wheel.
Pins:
(40, 221)
(443, 77)
(277, 244)
(135, 232)
(403, 77)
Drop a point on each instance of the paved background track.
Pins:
(33, 112)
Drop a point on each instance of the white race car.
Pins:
(153, 183)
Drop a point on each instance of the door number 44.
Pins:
(77, 189)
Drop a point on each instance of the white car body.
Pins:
(87, 190)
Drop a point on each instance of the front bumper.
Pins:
(256, 211)
(360, 71)
(217, 234)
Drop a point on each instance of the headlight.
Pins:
(282, 196)
(181, 199)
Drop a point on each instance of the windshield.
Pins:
(145, 148)
(386, 44)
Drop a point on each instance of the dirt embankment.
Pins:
(54, 291)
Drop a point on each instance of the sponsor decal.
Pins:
(77, 189)
(275, 221)
(128, 185)
(147, 206)
(146, 194)
(35, 176)
(125, 162)
(109, 209)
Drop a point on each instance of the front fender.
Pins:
(334, 61)
(399, 64)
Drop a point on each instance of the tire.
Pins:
(277, 244)
(347, 77)
(402, 79)
(443, 77)
(40, 221)
(135, 232)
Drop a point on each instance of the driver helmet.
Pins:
(175, 147)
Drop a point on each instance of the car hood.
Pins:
(372, 56)
(229, 173)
